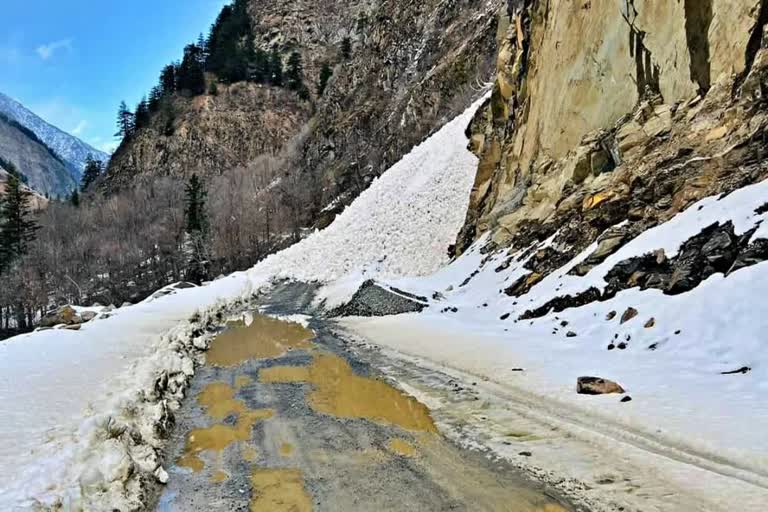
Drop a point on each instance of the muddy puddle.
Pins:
(337, 441)
(257, 337)
(338, 391)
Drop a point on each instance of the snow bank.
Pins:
(66, 396)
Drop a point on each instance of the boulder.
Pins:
(597, 386)
(65, 315)
(87, 316)
(628, 315)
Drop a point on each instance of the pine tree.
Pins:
(194, 210)
(259, 70)
(294, 73)
(141, 117)
(275, 69)
(190, 77)
(346, 48)
(196, 230)
(74, 199)
(93, 169)
(155, 96)
(18, 229)
(202, 43)
(168, 79)
(125, 122)
(325, 74)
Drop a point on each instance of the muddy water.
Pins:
(264, 337)
(292, 427)
(279, 490)
(401, 447)
(339, 392)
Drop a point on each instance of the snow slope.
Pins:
(59, 389)
(673, 371)
(70, 148)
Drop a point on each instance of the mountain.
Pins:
(71, 149)
(41, 167)
(399, 71)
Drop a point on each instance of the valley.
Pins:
(384, 255)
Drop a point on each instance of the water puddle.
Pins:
(219, 476)
(401, 447)
(242, 381)
(339, 392)
(279, 490)
(264, 337)
(286, 449)
(250, 453)
(220, 403)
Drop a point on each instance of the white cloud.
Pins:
(46, 51)
(78, 130)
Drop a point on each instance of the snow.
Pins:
(673, 371)
(61, 390)
(58, 388)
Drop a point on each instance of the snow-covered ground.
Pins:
(673, 371)
(58, 389)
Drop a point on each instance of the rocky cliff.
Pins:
(411, 67)
(615, 114)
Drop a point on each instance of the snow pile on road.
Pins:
(84, 412)
(675, 367)
(401, 225)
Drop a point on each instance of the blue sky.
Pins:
(73, 61)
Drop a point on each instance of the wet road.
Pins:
(284, 419)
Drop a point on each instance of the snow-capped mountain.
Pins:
(71, 149)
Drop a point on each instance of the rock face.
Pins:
(212, 134)
(606, 111)
(413, 65)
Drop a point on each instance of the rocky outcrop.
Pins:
(608, 118)
(210, 134)
(715, 250)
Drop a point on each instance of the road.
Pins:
(281, 419)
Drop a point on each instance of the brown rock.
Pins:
(650, 323)
(610, 316)
(628, 315)
(65, 315)
(597, 386)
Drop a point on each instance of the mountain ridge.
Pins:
(68, 147)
